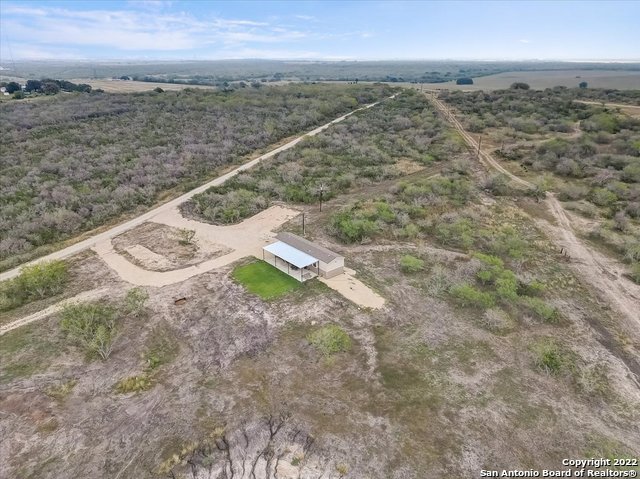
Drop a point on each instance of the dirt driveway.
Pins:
(245, 239)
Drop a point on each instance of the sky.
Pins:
(319, 30)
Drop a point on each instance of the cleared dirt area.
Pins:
(355, 290)
(622, 80)
(158, 247)
(130, 86)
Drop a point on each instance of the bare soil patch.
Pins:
(158, 247)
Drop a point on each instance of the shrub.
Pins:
(498, 184)
(533, 288)
(594, 380)
(469, 296)
(603, 197)
(186, 236)
(459, 233)
(351, 229)
(551, 357)
(133, 384)
(37, 281)
(464, 81)
(330, 339)
(541, 309)
(135, 300)
(519, 86)
(92, 325)
(61, 391)
(410, 264)
(496, 321)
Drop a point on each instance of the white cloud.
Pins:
(133, 30)
(524, 40)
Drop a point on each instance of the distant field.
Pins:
(122, 86)
(616, 79)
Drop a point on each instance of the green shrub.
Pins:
(135, 300)
(533, 288)
(541, 309)
(92, 326)
(351, 229)
(410, 264)
(459, 233)
(551, 357)
(330, 339)
(469, 296)
(37, 281)
(603, 197)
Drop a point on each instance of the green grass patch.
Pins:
(330, 339)
(552, 357)
(264, 280)
(134, 384)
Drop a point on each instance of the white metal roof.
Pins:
(291, 255)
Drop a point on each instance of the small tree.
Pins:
(464, 81)
(92, 326)
(158, 90)
(583, 84)
(33, 85)
(50, 88)
(186, 236)
(13, 87)
(520, 86)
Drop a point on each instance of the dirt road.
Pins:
(604, 274)
(610, 105)
(116, 230)
(84, 296)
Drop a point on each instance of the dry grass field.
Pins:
(539, 80)
(129, 86)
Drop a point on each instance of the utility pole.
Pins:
(321, 191)
(303, 223)
(479, 143)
